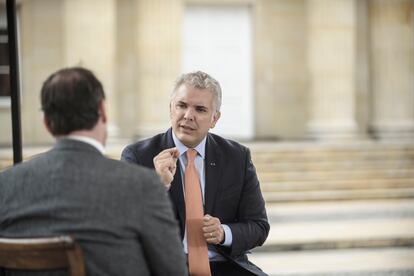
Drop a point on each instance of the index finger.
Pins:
(208, 220)
(173, 151)
(207, 217)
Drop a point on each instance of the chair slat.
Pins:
(42, 254)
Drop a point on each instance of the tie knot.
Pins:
(191, 154)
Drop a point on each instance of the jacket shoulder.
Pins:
(127, 170)
(25, 167)
(227, 145)
(143, 152)
(154, 142)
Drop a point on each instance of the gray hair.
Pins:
(200, 80)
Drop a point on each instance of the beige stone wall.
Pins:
(280, 69)
(332, 57)
(56, 34)
(5, 123)
(126, 66)
(362, 70)
(322, 68)
(41, 53)
(158, 50)
(392, 63)
(89, 40)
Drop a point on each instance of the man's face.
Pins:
(192, 113)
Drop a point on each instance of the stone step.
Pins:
(340, 210)
(331, 165)
(330, 146)
(317, 185)
(275, 159)
(338, 194)
(377, 232)
(335, 175)
(329, 225)
(346, 238)
(340, 244)
(320, 155)
(338, 153)
(345, 262)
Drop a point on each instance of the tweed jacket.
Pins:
(119, 213)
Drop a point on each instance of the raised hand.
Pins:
(165, 164)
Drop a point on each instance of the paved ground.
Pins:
(388, 261)
(360, 238)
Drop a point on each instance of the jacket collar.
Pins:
(88, 140)
(76, 145)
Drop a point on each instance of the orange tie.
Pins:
(197, 247)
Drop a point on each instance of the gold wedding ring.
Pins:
(211, 235)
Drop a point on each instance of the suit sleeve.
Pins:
(251, 227)
(159, 234)
(129, 155)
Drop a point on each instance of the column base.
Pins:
(393, 131)
(333, 130)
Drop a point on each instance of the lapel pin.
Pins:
(212, 164)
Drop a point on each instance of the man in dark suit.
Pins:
(235, 219)
(119, 213)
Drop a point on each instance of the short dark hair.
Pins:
(70, 100)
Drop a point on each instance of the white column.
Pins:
(280, 69)
(89, 41)
(392, 68)
(158, 52)
(332, 33)
(126, 66)
(41, 53)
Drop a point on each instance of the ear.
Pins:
(216, 117)
(47, 125)
(171, 103)
(102, 112)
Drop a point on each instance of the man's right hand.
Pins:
(165, 164)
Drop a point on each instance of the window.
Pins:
(4, 54)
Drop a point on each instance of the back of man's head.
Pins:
(70, 100)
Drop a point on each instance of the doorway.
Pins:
(218, 41)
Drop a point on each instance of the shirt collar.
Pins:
(200, 148)
(95, 143)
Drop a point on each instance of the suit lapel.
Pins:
(177, 196)
(176, 190)
(213, 167)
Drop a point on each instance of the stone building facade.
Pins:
(320, 69)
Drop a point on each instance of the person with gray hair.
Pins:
(200, 80)
(211, 181)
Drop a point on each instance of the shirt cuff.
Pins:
(228, 237)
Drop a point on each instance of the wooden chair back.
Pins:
(42, 254)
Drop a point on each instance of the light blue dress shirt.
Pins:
(199, 164)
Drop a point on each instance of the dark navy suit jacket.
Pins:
(232, 191)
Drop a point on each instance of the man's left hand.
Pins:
(212, 230)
